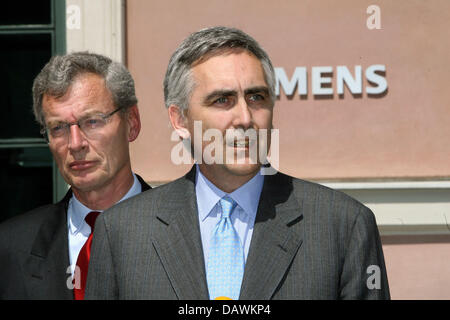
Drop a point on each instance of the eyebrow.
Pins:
(89, 113)
(220, 93)
(261, 89)
(226, 93)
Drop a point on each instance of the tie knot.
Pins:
(91, 217)
(227, 205)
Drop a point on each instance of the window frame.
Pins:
(57, 31)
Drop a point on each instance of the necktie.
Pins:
(226, 256)
(83, 258)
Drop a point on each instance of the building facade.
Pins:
(362, 105)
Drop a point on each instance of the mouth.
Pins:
(81, 165)
(241, 144)
(244, 143)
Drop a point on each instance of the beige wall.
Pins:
(399, 136)
(418, 266)
(402, 134)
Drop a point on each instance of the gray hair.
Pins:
(61, 71)
(178, 83)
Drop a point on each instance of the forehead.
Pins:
(230, 70)
(87, 93)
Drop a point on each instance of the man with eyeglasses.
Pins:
(87, 108)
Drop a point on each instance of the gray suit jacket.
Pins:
(309, 242)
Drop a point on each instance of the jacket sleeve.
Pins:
(101, 280)
(364, 272)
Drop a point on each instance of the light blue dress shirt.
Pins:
(243, 217)
(79, 230)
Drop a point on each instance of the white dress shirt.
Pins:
(243, 216)
(79, 230)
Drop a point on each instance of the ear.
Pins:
(134, 123)
(178, 121)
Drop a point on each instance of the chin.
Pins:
(243, 169)
(86, 183)
(83, 186)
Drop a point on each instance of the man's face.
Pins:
(90, 164)
(230, 92)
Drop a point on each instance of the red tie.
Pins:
(83, 258)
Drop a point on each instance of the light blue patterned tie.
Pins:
(226, 256)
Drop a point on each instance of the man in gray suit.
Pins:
(227, 229)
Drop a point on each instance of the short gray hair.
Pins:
(178, 84)
(61, 71)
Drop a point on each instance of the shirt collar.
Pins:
(78, 211)
(246, 196)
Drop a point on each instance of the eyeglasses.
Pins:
(91, 126)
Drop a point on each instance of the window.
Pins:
(30, 33)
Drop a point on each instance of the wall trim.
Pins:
(96, 26)
(436, 184)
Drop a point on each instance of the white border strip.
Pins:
(387, 185)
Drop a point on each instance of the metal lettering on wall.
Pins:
(322, 78)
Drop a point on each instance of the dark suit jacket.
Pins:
(34, 253)
(309, 242)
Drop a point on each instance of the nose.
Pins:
(243, 116)
(76, 138)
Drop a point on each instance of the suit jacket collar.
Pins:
(177, 239)
(277, 236)
(275, 241)
(49, 259)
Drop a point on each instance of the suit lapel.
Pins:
(177, 239)
(275, 241)
(48, 261)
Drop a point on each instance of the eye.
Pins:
(224, 102)
(57, 129)
(256, 97)
(221, 100)
(92, 123)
